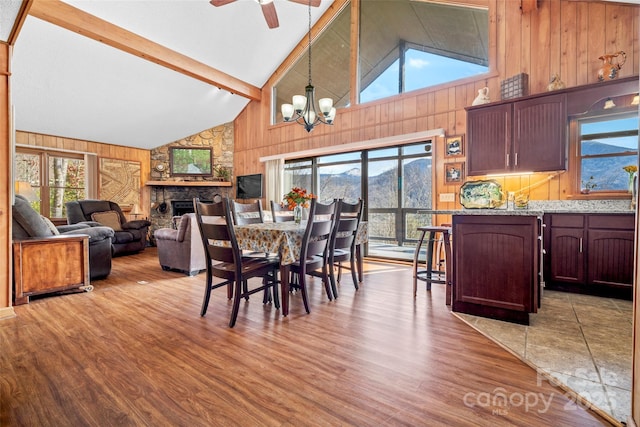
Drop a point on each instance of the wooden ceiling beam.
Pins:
(17, 26)
(76, 20)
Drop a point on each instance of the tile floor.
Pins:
(582, 341)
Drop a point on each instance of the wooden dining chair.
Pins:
(225, 260)
(314, 248)
(343, 243)
(247, 213)
(280, 213)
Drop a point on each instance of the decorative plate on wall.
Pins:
(483, 194)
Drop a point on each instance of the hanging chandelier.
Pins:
(303, 110)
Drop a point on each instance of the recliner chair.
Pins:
(26, 223)
(181, 248)
(129, 236)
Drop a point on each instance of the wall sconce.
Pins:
(609, 104)
(636, 100)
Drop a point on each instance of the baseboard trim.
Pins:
(7, 313)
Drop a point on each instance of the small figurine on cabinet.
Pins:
(483, 97)
(555, 83)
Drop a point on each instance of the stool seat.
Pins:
(429, 274)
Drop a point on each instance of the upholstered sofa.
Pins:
(181, 248)
(26, 223)
(129, 236)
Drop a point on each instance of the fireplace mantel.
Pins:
(188, 183)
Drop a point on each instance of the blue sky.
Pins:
(630, 123)
(421, 70)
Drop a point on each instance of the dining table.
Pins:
(285, 239)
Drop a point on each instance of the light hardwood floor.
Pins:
(136, 352)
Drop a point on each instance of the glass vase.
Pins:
(297, 213)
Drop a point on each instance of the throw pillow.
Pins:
(108, 218)
(51, 226)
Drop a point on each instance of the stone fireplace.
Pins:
(177, 193)
(179, 200)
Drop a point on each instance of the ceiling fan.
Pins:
(269, 9)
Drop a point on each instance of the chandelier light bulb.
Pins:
(299, 102)
(310, 117)
(325, 105)
(331, 116)
(287, 112)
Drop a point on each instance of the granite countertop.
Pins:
(492, 212)
(540, 207)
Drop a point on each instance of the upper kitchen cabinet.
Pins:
(531, 134)
(528, 135)
(540, 134)
(489, 139)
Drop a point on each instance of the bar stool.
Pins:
(431, 235)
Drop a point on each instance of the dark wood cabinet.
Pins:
(568, 263)
(591, 253)
(565, 238)
(496, 266)
(488, 139)
(540, 134)
(518, 136)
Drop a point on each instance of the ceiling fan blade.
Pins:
(314, 3)
(270, 14)
(221, 2)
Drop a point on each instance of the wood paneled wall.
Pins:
(101, 150)
(560, 36)
(5, 189)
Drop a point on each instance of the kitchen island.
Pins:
(498, 260)
(496, 264)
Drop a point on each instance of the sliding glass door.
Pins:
(394, 182)
(399, 187)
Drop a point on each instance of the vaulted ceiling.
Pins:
(69, 85)
(105, 70)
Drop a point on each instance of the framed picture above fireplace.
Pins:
(191, 161)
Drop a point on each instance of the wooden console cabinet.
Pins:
(590, 253)
(496, 266)
(50, 264)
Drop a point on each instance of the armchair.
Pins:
(181, 249)
(129, 236)
(27, 223)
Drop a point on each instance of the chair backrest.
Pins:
(247, 213)
(82, 210)
(318, 233)
(26, 221)
(346, 226)
(216, 230)
(280, 213)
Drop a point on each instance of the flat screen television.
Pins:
(191, 161)
(249, 186)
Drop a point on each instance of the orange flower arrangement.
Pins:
(298, 196)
